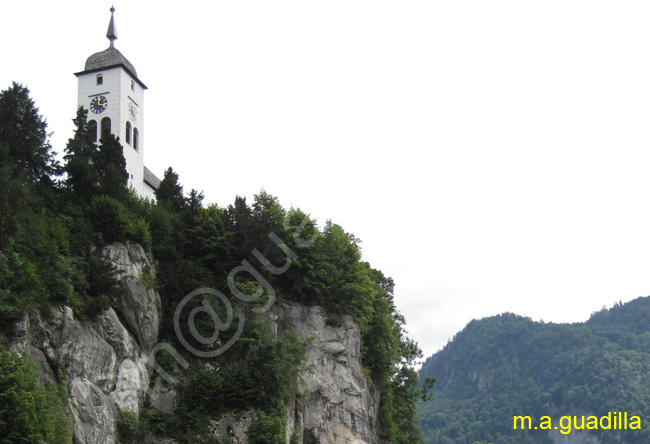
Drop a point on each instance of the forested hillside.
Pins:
(508, 365)
(55, 218)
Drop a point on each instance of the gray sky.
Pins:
(492, 156)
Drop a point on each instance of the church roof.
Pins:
(109, 58)
(151, 179)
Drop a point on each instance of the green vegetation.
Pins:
(267, 429)
(55, 219)
(30, 413)
(508, 365)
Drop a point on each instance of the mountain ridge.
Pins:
(507, 365)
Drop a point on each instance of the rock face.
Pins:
(105, 360)
(337, 405)
(107, 363)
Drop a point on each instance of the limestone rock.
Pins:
(94, 413)
(105, 359)
(233, 426)
(163, 397)
(139, 306)
(339, 405)
(107, 363)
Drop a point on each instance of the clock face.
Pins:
(133, 110)
(98, 104)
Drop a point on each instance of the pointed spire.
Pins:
(111, 34)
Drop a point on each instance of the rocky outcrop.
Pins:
(337, 405)
(105, 360)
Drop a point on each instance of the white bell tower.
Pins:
(110, 90)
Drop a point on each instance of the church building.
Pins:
(109, 88)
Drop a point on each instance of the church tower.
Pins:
(109, 88)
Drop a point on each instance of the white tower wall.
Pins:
(116, 87)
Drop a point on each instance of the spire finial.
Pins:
(111, 34)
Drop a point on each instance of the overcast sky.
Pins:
(492, 155)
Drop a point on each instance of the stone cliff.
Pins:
(107, 363)
(105, 360)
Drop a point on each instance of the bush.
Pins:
(148, 277)
(29, 412)
(140, 233)
(267, 428)
(129, 427)
(108, 217)
(99, 286)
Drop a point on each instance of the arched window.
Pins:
(136, 139)
(100, 79)
(128, 132)
(106, 127)
(92, 131)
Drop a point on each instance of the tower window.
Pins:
(132, 85)
(106, 127)
(128, 132)
(100, 79)
(92, 131)
(136, 141)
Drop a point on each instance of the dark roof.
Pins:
(109, 57)
(151, 179)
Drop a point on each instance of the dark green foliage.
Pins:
(24, 131)
(101, 287)
(309, 438)
(267, 428)
(80, 153)
(508, 365)
(140, 233)
(129, 427)
(91, 170)
(110, 165)
(10, 286)
(29, 413)
(259, 372)
(15, 196)
(170, 193)
(108, 217)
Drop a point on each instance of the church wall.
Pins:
(134, 159)
(116, 87)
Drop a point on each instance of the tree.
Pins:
(267, 429)
(93, 171)
(170, 192)
(24, 131)
(110, 165)
(28, 412)
(14, 195)
(79, 156)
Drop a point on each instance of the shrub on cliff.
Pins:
(29, 412)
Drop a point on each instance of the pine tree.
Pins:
(111, 168)
(170, 192)
(14, 197)
(80, 153)
(24, 131)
